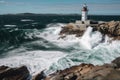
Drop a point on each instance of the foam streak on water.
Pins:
(51, 53)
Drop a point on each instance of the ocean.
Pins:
(33, 40)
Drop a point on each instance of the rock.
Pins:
(87, 72)
(117, 62)
(72, 73)
(20, 73)
(98, 72)
(71, 26)
(2, 68)
(39, 76)
(113, 75)
(72, 29)
(112, 29)
(80, 72)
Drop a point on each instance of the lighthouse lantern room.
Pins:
(84, 12)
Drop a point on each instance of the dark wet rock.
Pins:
(20, 73)
(2, 68)
(117, 62)
(39, 76)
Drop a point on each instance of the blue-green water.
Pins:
(33, 41)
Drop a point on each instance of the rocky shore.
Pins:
(109, 71)
(89, 72)
(80, 72)
(112, 29)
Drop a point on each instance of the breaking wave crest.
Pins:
(43, 49)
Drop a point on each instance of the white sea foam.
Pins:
(36, 61)
(92, 47)
(85, 39)
(52, 34)
(9, 25)
(93, 42)
(26, 20)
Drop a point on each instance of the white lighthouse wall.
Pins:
(84, 15)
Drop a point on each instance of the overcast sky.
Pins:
(111, 7)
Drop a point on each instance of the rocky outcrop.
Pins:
(112, 29)
(89, 72)
(39, 76)
(20, 73)
(71, 28)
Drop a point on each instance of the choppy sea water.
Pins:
(34, 42)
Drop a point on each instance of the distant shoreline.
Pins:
(53, 14)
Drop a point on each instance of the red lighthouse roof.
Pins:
(84, 8)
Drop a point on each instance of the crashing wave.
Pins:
(92, 47)
(35, 60)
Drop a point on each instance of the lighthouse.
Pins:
(84, 13)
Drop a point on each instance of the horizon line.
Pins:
(51, 14)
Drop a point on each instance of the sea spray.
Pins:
(85, 39)
(91, 39)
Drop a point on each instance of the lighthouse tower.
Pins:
(84, 12)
